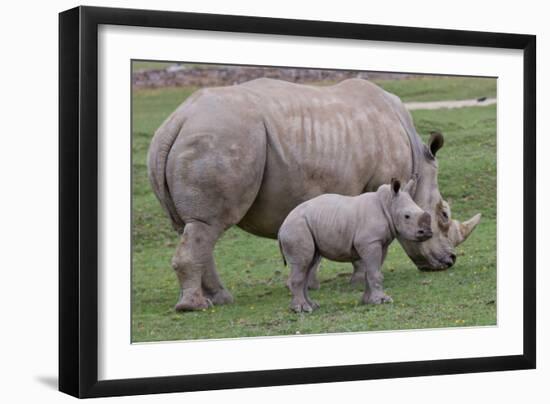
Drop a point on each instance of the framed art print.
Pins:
(251, 201)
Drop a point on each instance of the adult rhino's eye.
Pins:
(407, 217)
(445, 215)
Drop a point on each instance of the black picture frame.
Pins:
(78, 200)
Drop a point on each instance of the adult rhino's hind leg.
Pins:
(213, 180)
(213, 289)
(193, 259)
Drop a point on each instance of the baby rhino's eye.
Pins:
(407, 217)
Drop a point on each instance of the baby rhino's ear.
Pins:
(395, 186)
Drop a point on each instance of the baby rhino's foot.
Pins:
(376, 298)
(302, 306)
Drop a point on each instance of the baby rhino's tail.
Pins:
(281, 250)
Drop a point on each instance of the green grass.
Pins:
(252, 269)
(440, 88)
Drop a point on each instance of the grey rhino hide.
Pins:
(248, 154)
(355, 229)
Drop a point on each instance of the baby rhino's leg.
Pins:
(313, 278)
(372, 258)
(298, 248)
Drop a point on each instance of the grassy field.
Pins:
(439, 89)
(252, 269)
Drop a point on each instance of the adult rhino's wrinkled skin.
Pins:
(248, 154)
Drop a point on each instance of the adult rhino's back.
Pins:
(252, 152)
(342, 139)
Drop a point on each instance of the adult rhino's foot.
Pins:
(376, 298)
(190, 301)
(222, 296)
(302, 306)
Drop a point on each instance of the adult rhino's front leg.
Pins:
(313, 283)
(359, 273)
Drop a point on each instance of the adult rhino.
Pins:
(248, 154)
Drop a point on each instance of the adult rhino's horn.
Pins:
(465, 228)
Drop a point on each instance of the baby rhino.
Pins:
(355, 229)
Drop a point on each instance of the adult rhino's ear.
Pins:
(410, 188)
(395, 186)
(436, 142)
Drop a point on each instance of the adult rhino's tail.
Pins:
(160, 147)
